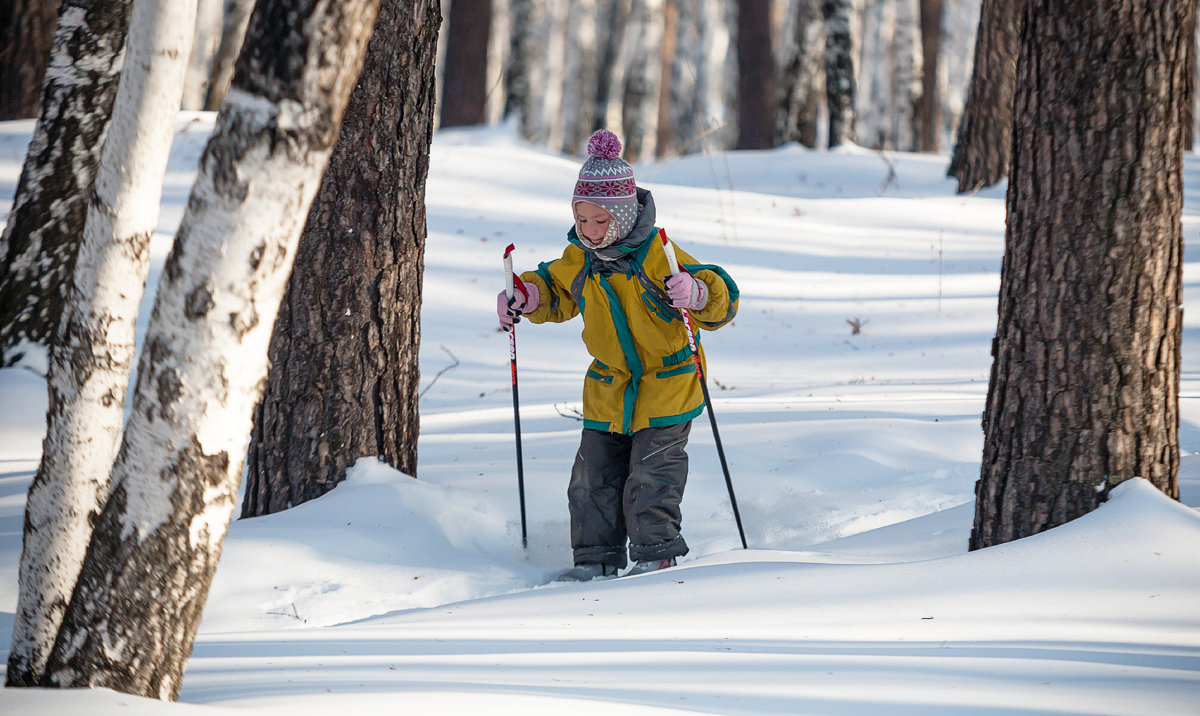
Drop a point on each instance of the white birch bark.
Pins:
(640, 90)
(235, 18)
(499, 40)
(580, 77)
(203, 55)
(801, 79)
(873, 101)
(41, 237)
(135, 610)
(555, 78)
(960, 24)
(906, 74)
(91, 359)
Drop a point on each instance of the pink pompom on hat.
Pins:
(606, 180)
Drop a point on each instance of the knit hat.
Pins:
(606, 180)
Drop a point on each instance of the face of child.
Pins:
(592, 222)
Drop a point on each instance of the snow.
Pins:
(854, 457)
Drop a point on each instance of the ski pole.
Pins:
(512, 358)
(673, 263)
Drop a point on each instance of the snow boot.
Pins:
(651, 565)
(587, 572)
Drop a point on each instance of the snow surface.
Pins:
(854, 457)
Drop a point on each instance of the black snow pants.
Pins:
(628, 487)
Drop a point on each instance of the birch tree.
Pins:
(133, 615)
(840, 82)
(93, 353)
(801, 77)
(235, 18)
(1084, 390)
(41, 238)
(206, 39)
(643, 75)
(344, 351)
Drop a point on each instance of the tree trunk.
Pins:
(93, 354)
(960, 27)
(1084, 391)
(756, 76)
(929, 105)
(464, 95)
(664, 138)
(26, 32)
(41, 238)
(640, 96)
(801, 79)
(344, 370)
(236, 17)
(581, 76)
(981, 153)
(135, 610)
(839, 69)
(202, 58)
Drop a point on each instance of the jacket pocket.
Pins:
(594, 373)
(689, 367)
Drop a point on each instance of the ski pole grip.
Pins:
(672, 262)
(508, 272)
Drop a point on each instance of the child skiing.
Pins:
(641, 391)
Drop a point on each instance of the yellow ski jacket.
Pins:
(643, 374)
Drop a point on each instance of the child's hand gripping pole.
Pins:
(673, 264)
(512, 353)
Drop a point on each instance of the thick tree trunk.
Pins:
(981, 153)
(344, 371)
(756, 76)
(93, 354)
(1084, 391)
(801, 78)
(236, 17)
(135, 610)
(839, 69)
(26, 32)
(41, 238)
(464, 96)
(929, 103)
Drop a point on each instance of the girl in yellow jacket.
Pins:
(641, 391)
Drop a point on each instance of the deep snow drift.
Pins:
(854, 456)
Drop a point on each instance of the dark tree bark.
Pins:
(756, 76)
(929, 106)
(464, 90)
(981, 152)
(26, 33)
(1084, 391)
(344, 371)
(840, 88)
(134, 613)
(41, 238)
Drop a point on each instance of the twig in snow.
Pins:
(569, 411)
(448, 368)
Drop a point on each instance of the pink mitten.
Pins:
(687, 292)
(523, 301)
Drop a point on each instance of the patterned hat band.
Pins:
(608, 188)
